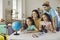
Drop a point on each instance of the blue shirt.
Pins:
(31, 28)
(53, 13)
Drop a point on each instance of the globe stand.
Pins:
(16, 33)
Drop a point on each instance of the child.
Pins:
(29, 25)
(46, 23)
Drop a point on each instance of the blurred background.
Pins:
(11, 10)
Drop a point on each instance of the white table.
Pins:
(28, 36)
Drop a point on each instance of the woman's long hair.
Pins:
(25, 25)
(37, 12)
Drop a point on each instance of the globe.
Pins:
(16, 26)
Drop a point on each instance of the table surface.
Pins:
(28, 36)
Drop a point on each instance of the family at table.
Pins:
(47, 22)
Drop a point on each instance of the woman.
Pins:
(36, 18)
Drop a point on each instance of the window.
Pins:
(14, 10)
(18, 9)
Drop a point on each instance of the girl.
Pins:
(29, 25)
(46, 23)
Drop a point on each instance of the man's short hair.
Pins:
(46, 4)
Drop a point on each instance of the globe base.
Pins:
(16, 33)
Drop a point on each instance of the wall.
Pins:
(1, 12)
(4, 5)
(7, 5)
(33, 4)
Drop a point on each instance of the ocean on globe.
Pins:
(16, 25)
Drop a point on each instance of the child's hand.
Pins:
(39, 28)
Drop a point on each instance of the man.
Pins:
(53, 14)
